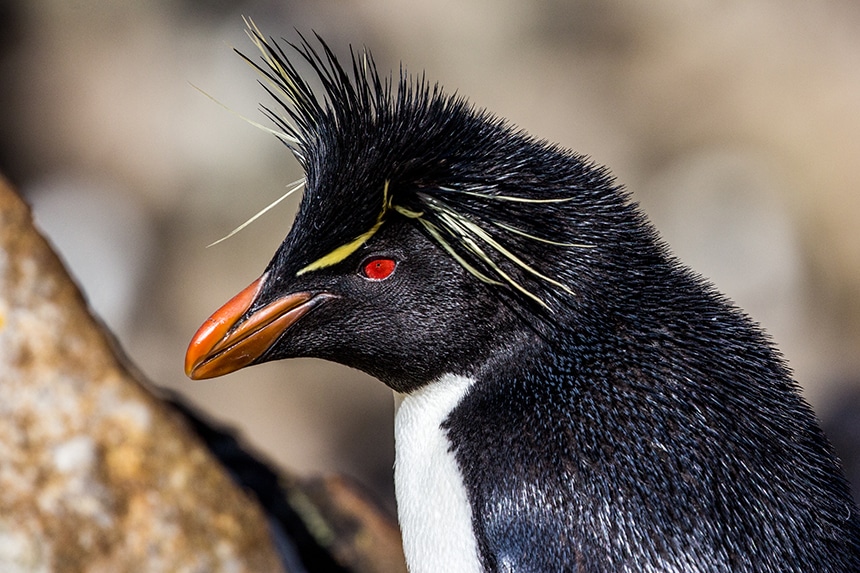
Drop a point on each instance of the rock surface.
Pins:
(96, 474)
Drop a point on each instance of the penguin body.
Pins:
(571, 397)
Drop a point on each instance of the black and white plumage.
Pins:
(570, 397)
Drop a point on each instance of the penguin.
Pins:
(569, 396)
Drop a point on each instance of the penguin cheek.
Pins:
(336, 331)
(367, 339)
(314, 336)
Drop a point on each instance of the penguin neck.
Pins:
(432, 502)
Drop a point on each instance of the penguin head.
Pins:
(430, 234)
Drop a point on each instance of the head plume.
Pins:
(374, 148)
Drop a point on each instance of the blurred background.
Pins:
(735, 124)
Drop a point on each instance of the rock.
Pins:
(96, 473)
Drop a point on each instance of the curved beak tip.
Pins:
(214, 332)
(198, 351)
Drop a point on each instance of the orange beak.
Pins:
(229, 340)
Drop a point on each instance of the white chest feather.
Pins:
(432, 506)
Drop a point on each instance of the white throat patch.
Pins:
(434, 511)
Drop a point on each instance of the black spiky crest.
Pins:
(491, 196)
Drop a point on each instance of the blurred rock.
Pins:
(357, 533)
(319, 523)
(95, 474)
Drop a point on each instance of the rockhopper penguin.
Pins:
(569, 396)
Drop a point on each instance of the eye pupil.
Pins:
(379, 269)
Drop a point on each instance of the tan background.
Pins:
(736, 124)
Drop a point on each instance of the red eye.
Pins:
(379, 269)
